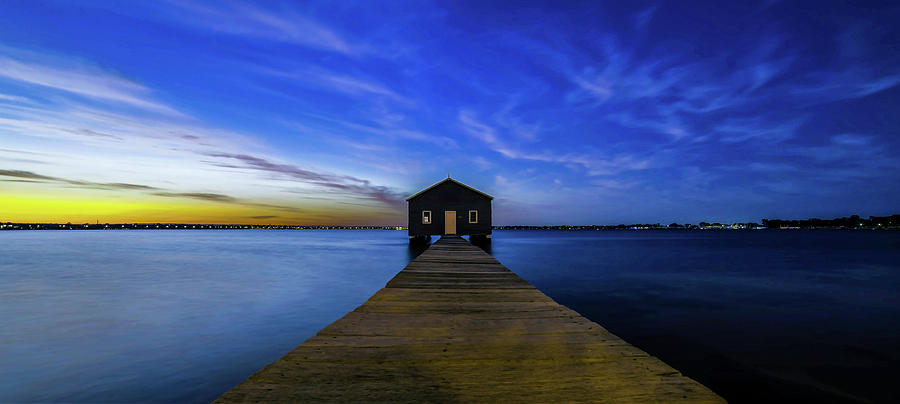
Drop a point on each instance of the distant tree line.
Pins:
(851, 222)
(635, 226)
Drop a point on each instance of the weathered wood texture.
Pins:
(457, 326)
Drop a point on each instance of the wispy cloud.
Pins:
(318, 77)
(592, 164)
(756, 129)
(82, 80)
(353, 86)
(345, 183)
(832, 86)
(681, 98)
(203, 196)
(285, 24)
(480, 130)
(344, 129)
(847, 149)
(668, 94)
(75, 122)
(515, 124)
(852, 139)
(28, 175)
(13, 98)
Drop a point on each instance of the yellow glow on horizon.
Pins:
(85, 208)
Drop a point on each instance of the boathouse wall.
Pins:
(449, 195)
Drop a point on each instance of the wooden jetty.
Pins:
(455, 325)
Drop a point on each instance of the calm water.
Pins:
(155, 316)
(802, 316)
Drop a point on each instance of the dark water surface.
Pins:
(162, 316)
(761, 316)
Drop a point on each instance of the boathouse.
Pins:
(449, 207)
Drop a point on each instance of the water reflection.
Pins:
(416, 247)
(196, 312)
(481, 242)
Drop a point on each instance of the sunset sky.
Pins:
(333, 112)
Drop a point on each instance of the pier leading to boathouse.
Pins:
(457, 325)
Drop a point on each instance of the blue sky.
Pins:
(566, 112)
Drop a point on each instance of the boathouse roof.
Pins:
(450, 180)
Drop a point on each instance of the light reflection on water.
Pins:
(184, 315)
(172, 315)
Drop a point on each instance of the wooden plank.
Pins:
(456, 325)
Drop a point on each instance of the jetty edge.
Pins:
(455, 325)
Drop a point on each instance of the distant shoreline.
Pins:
(181, 226)
(191, 226)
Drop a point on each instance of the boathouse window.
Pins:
(473, 216)
(426, 217)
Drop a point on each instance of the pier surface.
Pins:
(455, 325)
